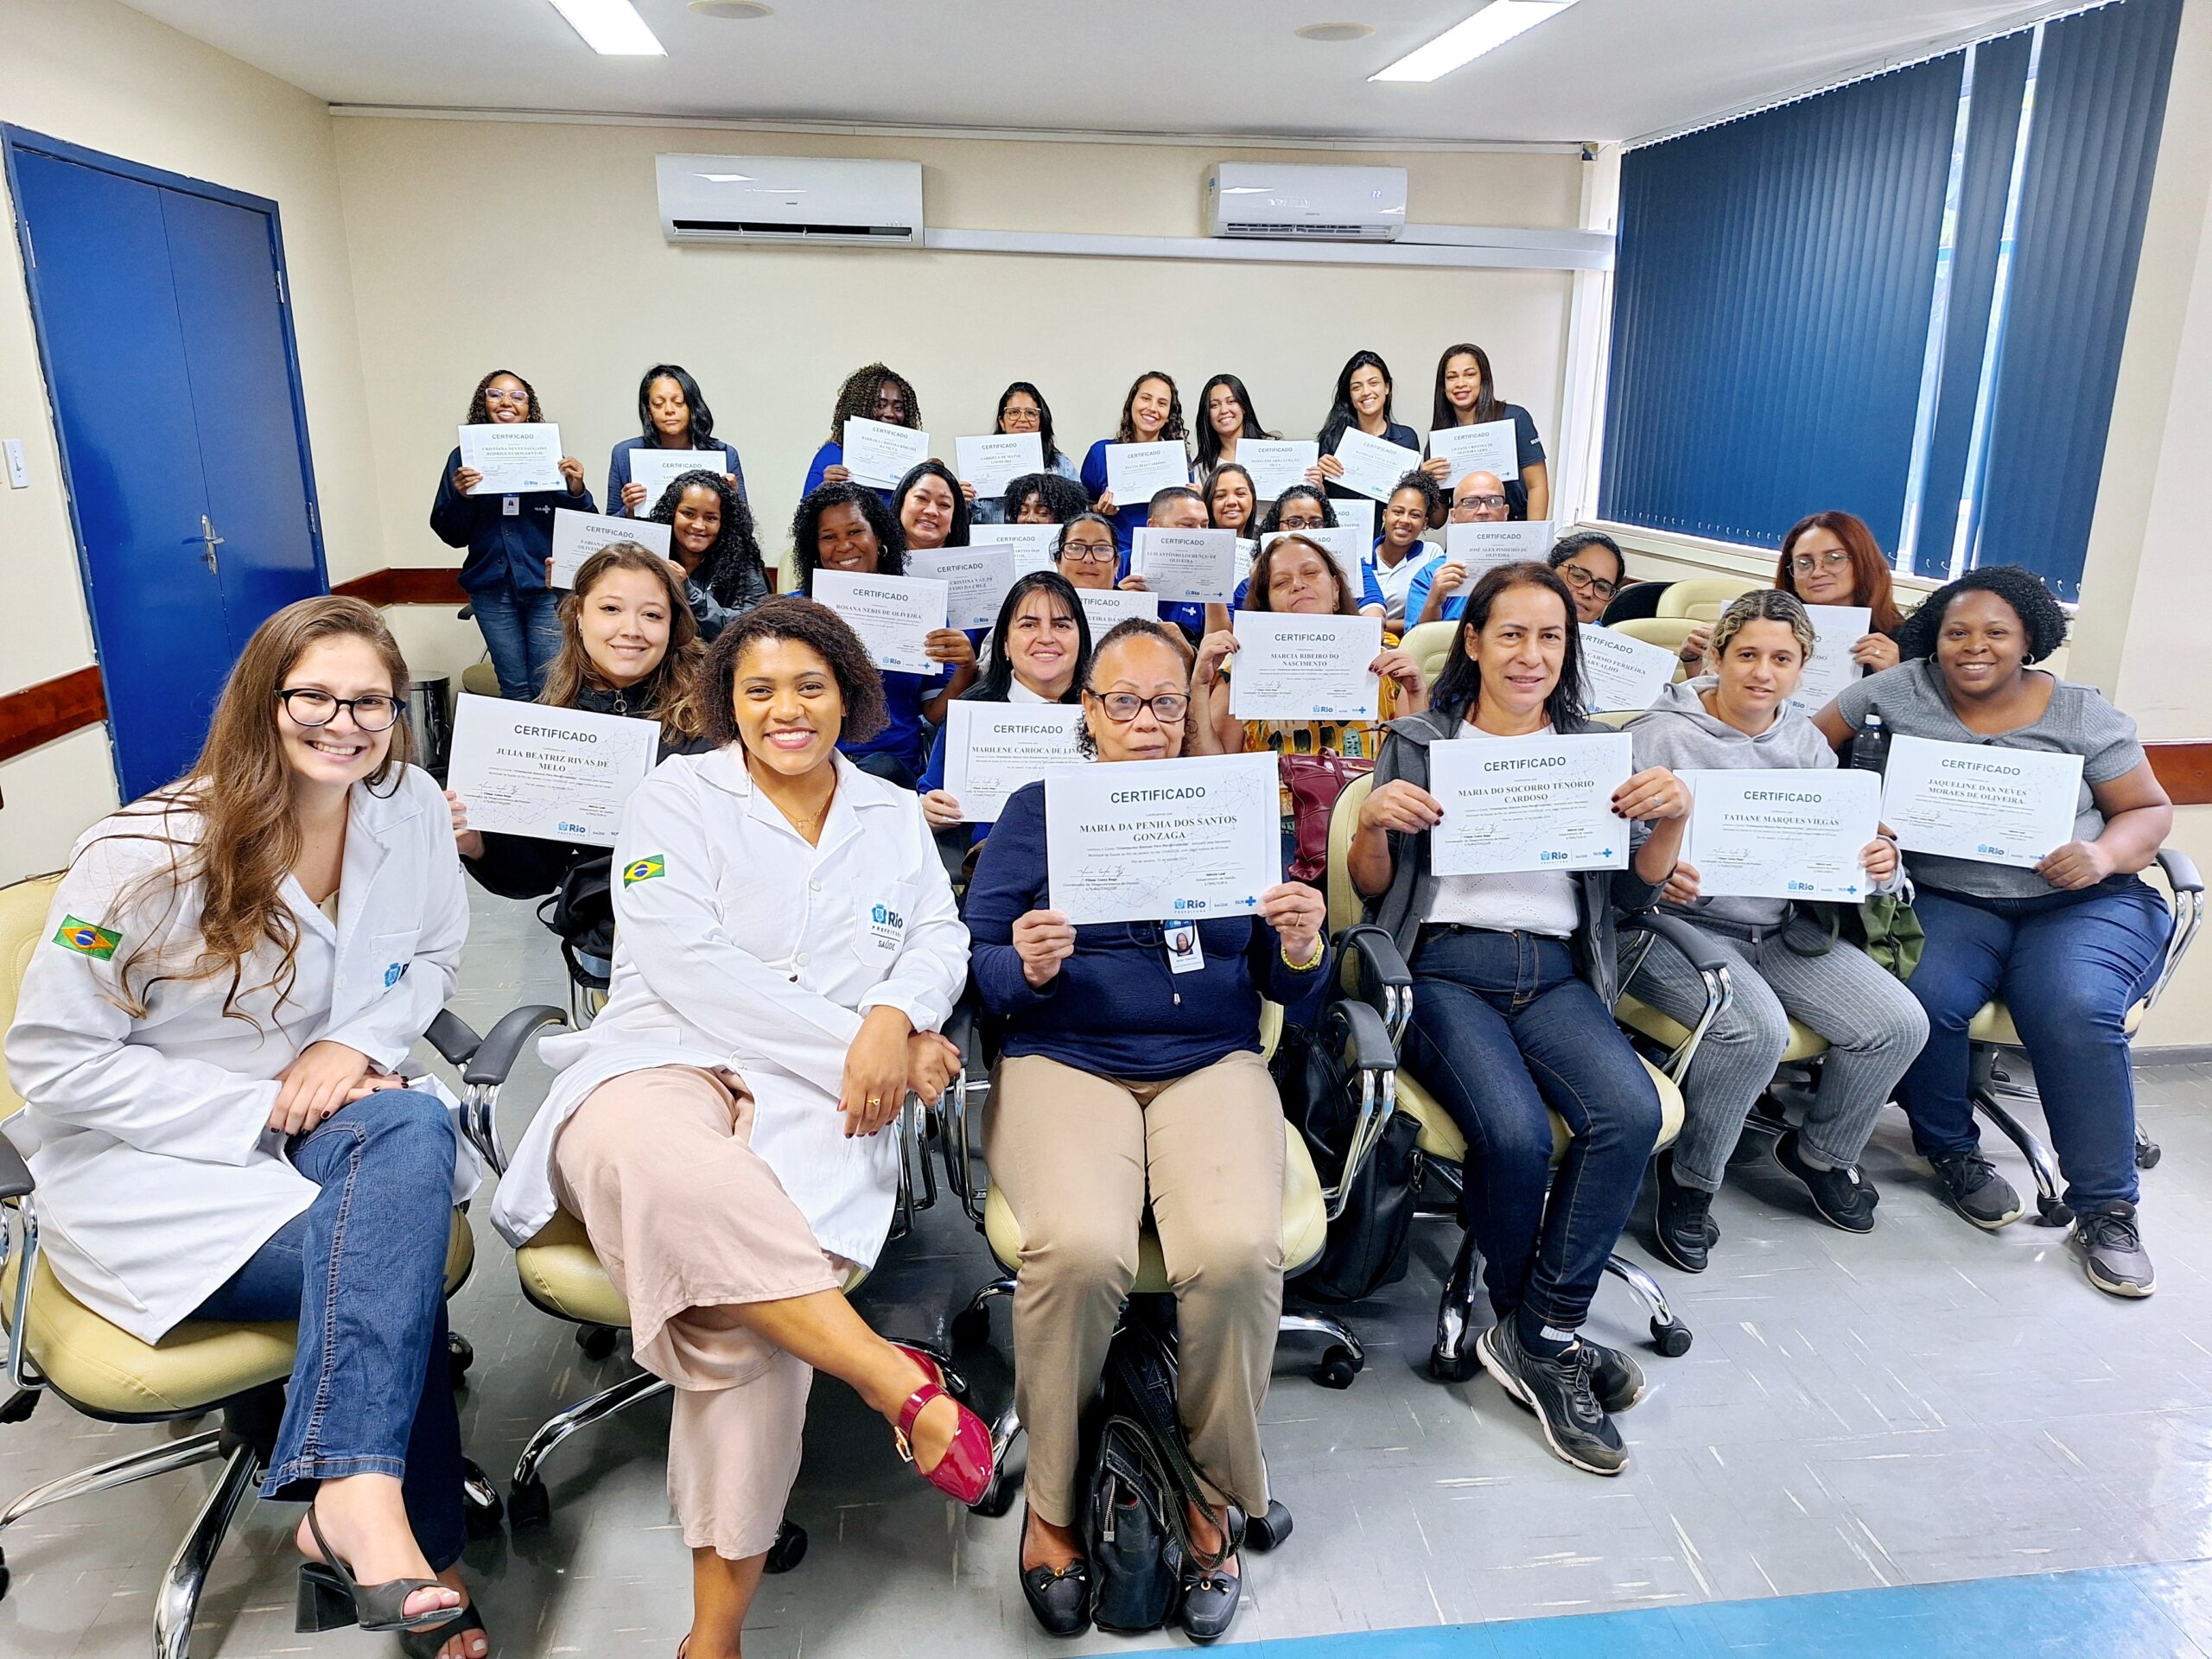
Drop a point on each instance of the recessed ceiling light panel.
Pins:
(1461, 44)
(611, 27)
(1332, 34)
(732, 11)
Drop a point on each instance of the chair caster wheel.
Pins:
(481, 1509)
(1337, 1369)
(459, 1356)
(789, 1549)
(996, 1500)
(596, 1340)
(1670, 1337)
(2053, 1212)
(1447, 1366)
(20, 1406)
(2148, 1153)
(971, 1328)
(1267, 1532)
(529, 1509)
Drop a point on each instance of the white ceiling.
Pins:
(1605, 69)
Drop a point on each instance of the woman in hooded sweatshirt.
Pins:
(1788, 963)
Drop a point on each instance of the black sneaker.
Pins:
(1977, 1190)
(2112, 1251)
(1844, 1197)
(1558, 1390)
(1681, 1224)
(1616, 1380)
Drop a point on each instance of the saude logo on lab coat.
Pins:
(885, 928)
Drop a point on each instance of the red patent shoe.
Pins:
(964, 1472)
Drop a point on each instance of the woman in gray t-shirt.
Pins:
(2069, 945)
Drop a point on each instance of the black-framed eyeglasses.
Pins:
(1122, 707)
(1805, 563)
(308, 707)
(1480, 501)
(1091, 552)
(1581, 578)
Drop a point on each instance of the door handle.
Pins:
(209, 541)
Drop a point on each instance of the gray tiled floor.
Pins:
(1925, 1403)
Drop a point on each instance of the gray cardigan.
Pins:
(1600, 894)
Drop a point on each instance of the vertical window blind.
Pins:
(1905, 297)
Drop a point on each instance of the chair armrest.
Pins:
(453, 1038)
(2187, 904)
(15, 1181)
(1366, 1043)
(1366, 1037)
(496, 1057)
(2180, 871)
(1696, 948)
(1379, 975)
(964, 1032)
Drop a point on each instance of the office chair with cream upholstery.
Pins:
(1701, 598)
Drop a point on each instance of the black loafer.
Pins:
(1210, 1599)
(1060, 1597)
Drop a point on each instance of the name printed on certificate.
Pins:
(1276, 464)
(1157, 841)
(1186, 567)
(1291, 667)
(1836, 629)
(992, 463)
(1137, 472)
(894, 616)
(1034, 547)
(1541, 802)
(1356, 514)
(1372, 466)
(1622, 675)
(1777, 833)
(658, 468)
(577, 536)
(879, 455)
(1480, 547)
(1104, 607)
(975, 579)
(1485, 447)
(515, 457)
(560, 774)
(1341, 544)
(991, 749)
(1979, 801)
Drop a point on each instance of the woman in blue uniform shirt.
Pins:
(509, 538)
(1362, 399)
(875, 393)
(1152, 413)
(1465, 396)
(672, 416)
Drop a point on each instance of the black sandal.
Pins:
(426, 1644)
(1058, 1596)
(330, 1598)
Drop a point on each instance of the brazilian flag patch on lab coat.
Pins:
(87, 940)
(644, 869)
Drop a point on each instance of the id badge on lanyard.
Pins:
(1185, 954)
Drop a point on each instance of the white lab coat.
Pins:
(158, 1175)
(752, 950)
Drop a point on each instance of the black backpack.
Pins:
(1371, 1242)
(581, 911)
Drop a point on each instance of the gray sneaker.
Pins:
(1558, 1390)
(2112, 1251)
(1977, 1190)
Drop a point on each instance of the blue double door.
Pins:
(163, 328)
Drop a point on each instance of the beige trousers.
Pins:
(1078, 1157)
(689, 1221)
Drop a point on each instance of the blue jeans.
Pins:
(1504, 1034)
(522, 632)
(2067, 968)
(363, 1271)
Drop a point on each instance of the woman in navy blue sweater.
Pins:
(1131, 1075)
(509, 538)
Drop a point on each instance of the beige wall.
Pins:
(98, 75)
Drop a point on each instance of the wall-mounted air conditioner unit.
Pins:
(1302, 204)
(790, 199)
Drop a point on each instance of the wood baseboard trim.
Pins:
(406, 584)
(39, 714)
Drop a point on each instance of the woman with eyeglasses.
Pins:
(1022, 409)
(1590, 563)
(1125, 1087)
(1831, 558)
(1089, 555)
(1465, 396)
(509, 538)
(672, 413)
(209, 1040)
(870, 392)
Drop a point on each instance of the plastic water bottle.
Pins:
(1869, 750)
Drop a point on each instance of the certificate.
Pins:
(1276, 464)
(1979, 801)
(1186, 567)
(1104, 607)
(1622, 675)
(1480, 547)
(975, 579)
(1034, 547)
(991, 749)
(1836, 629)
(894, 616)
(658, 468)
(515, 457)
(1781, 833)
(1485, 447)
(577, 536)
(1290, 667)
(1157, 841)
(992, 463)
(1356, 514)
(531, 769)
(1543, 803)
(1137, 472)
(1343, 546)
(1372, 466)
(879, 453)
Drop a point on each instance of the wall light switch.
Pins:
(19, 475)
